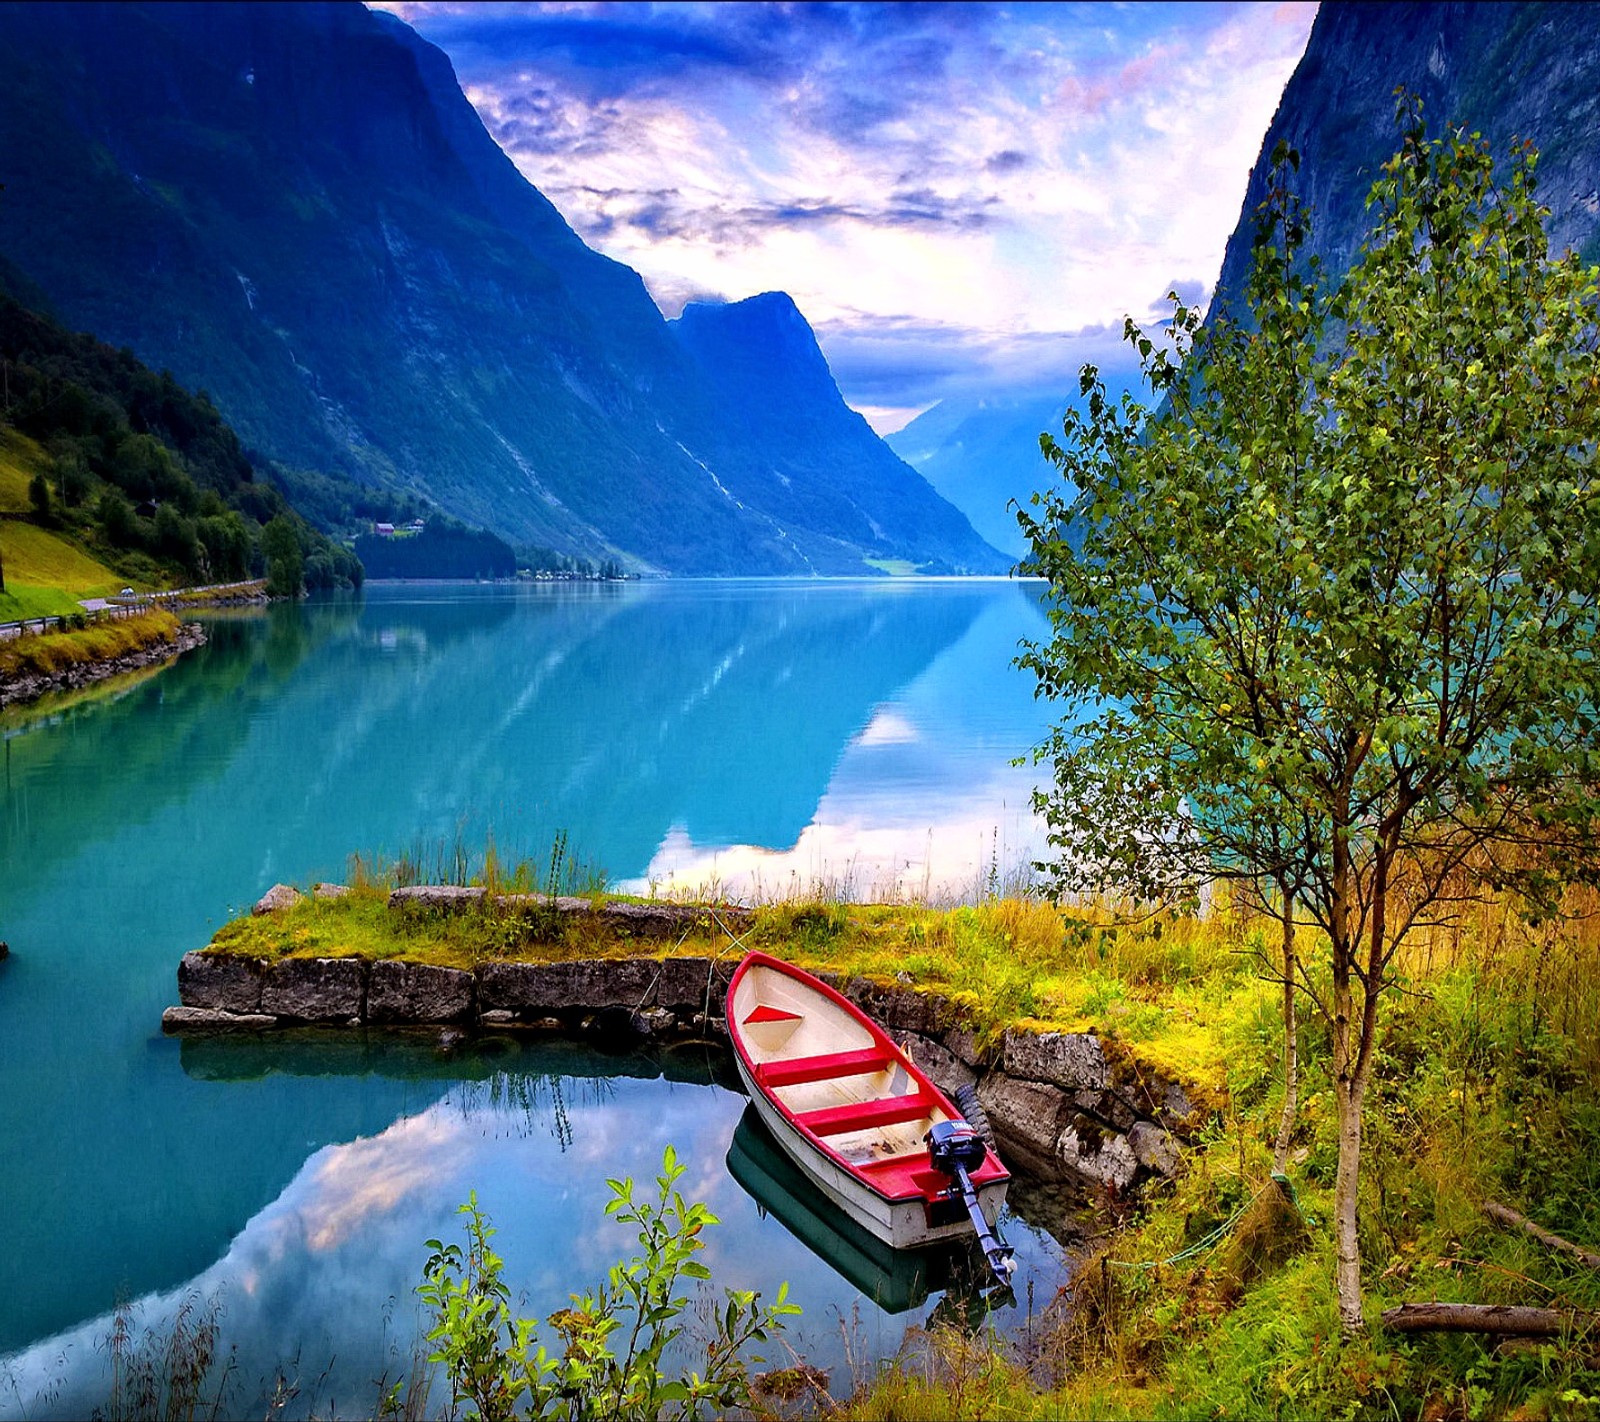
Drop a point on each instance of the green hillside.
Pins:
(110, 473)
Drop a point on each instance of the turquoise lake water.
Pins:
(760, 737)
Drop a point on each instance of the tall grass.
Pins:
(54, 652)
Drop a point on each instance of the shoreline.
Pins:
(28, 687)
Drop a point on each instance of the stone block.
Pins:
(528, 988)
(1027, 1116)
(964, 1044)
(1153, 1148)
(446, 898)
(279, 896)
(224, 981)
(182, 1019)
(1106, 1107)
(1072, 1060)
(315, 989)
(944, 1068)
(612, 982)
(901, 1009)
(1102, 1157)
(689, 983)
(417, 992)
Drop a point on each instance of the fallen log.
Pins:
(1503, 1215)
(1508, 1320)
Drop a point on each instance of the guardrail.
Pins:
(129, 606)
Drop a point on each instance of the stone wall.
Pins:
(1059, 1104)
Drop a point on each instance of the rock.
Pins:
(1104, 1157)
(688, 984)
(179, 1019)
(279, 896)
(532, 903)
(1072, 1060)
(1028, 1118)
(710, 1025)
(612, 982)
(947, 1071)
(445, 897)
(656, 1022)
(329, 891)
(651, 920)
(901, 1009)
(524, 987)
(964, 1044)
(1153, 1148)
(497, 1017)
(223, 981)
(417, 992)
(1176, 1107)
(1106, 1107)
(315, 989)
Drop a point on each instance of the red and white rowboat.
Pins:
(852, 1109)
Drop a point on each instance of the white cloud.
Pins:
(1005, 173)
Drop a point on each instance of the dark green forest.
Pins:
(147, 474)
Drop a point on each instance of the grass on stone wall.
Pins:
(53, 652)
(1168, 993)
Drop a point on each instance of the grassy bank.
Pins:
(1488, 1090)
(1170, 992)
(53, 652)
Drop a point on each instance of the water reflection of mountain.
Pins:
(131, 828)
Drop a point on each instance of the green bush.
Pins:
(495, 1365)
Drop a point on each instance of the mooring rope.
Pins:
(1221, 1232)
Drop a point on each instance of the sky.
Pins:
(965, 200)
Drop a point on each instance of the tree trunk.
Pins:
(1346, 1197)
(1517, 1320)
(1502, 1215)
(1349, 1087)
(1291, 1045)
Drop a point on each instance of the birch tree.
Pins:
(1335, 618)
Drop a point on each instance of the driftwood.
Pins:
(1502, 1215)
(1513, 1320)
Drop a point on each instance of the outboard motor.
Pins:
(956, 1149)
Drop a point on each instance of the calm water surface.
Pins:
(762, 737)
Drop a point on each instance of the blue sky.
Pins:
(962, 198)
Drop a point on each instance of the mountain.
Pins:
(836, 477)
(294, 208)
(1529, 71)
(982, 454)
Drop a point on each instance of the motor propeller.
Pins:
(956, 1149)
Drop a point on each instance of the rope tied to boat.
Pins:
(1276, 1181)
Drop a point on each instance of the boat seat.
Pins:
(862, 1115)
(795, 1071)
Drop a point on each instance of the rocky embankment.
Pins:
(29, 686)
(1060, 1103)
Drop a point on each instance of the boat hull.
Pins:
(849, 1107)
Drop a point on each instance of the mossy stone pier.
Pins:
(1061, 1105)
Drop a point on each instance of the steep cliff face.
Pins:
(295, 208)
(826, 472)
(1524, 71)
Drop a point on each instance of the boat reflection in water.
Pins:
(894, 1279)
